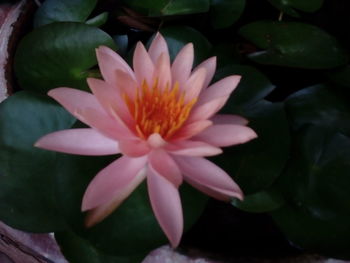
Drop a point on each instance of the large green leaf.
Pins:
(132, 228)
(257, 164)
(63, 10)
(253, 87)
(178, 36)
(288, 6)
(320, 106)
(26, 181)
(223, 13)
(293, 44)
(58, 54)
(168, 7)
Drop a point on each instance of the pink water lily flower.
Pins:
(161, 118)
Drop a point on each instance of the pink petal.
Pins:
(210, 66)
(207, 174)
(110, 98)
(163, 163)
(143, 65)
(162, 71)
(222, 88)
(166, 205)
(206, 110)
(109, 62)
(229, 119)
(126, 84)
(134, 148)
(112, 181)
(194, 84)
(74, 99)
(182, 65)
(78, 141)
(226, 135)
(193, 148)
(158, 46)
(191, 129)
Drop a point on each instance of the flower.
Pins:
(161, 118)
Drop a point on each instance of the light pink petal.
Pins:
(134, 148)
(166, 205)
(210, 66)
(74, 99)
(78, 141)
(158, 46)
(191, 129)
(162, 72)
(222, 135)
(164, 164)
(206, 110)
(126, 84)
(207, 174)
(229, 119)
(105, 124)
(193, 148)
(194, 84)
(109, 62)
(110, 98)
(222, 88)
(143, 65)
(111, 181)
(182, 65)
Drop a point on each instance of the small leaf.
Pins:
(224, 13)
(294, 44)
(27, 181)
(63, 11)
(57, 55)
(98, 20)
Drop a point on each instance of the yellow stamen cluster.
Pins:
(157, 110)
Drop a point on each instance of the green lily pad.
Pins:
(288, 6)
(98, 20)
(224, 13)
(178, 36)
(63, 11)
(168, 7)
(27, 183)
(58, 54)
(294, 44)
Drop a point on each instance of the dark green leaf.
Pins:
(257, 164)
(26, 181)
(168, 7)
(98, 20)
(320, 106)
(63, 10)
(294, 44)
(253, 87)
(341, 76)
(260, 202)
(288, 6)
(178, 36)
(58, 54)
(223, 13)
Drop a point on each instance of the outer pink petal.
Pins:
(191, 129)
(226, 135)
(111, 181)
(162, 71)
(210, 66)
(109, 62)
(206, 110)
(78, 141)
(207, 174)
(193, 148)
(229, 119)
(164, 164)
(195, 84)
(222, 88)
(166, 205)
(182, 65)
(158, 46)
(74, 99)
(134, 148)
(143, 65)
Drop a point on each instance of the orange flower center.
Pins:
(156, 110)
